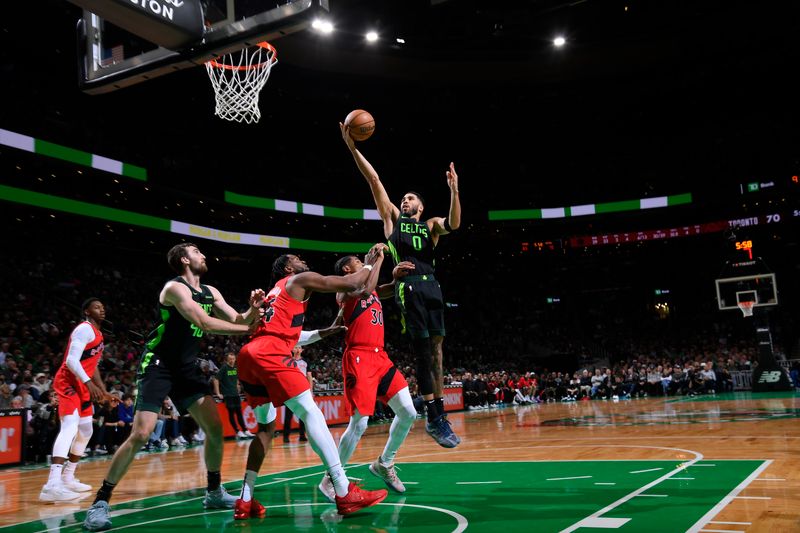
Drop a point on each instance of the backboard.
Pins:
(112, 58)
(761, 289)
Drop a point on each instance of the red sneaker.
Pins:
(252, 509)
(358, 498)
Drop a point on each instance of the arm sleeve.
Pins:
(81, 336)
(309, 337)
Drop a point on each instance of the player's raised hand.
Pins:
(375, 253)
(452, 178)
(402, 269)
(257, 298)
(351, 144)
(331, 330)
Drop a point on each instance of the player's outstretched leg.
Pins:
(347, 445)
(438, 380)
(98, 516)
(405, 414)
(247, 506)
(349, 496)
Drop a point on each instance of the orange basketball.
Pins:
(361, 124)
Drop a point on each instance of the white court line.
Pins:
(732, 523)
(752, 498)
(460, 519)
(299, 483)
(597, 514)
(563, 478)
(683, 478)
(727, 499)
(643, 471)
(476, 482)
(651, 495)
(410, 482)
(605, 483)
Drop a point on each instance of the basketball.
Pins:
(361, 124)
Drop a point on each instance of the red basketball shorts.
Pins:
(369, 375)
(277, 374)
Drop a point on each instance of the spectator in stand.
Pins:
(5, 396)
(24, 392)
(585, 384)
(125, 415)
(709, 377)
(41, 384)
(112, 433)
(481, 389)
(597, 382)
(470, 395)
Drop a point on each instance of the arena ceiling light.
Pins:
(400, 40)
(372, 36)
(559, 41)
(322, 26)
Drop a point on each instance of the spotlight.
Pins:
(400, 41)
(372, 36)
(559, 41)
(322, 26)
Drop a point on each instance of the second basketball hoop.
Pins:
(237, 79)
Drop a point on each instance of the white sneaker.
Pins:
(57, 493)
(387, 474)
(326, 488)
(182, 441)
(164, 445)
(75, 485)
(241, 435)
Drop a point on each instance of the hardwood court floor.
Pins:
(726, 463)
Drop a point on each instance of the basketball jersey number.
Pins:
(196, 332)
(416, 240)
(269, 311)
(377, 317)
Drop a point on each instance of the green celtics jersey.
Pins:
(175, 341)
(412, 241)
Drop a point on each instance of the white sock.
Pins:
(340, 482)
(405, 414)
(249, 484)
(351, 436)
(55, 474)
(68, 473)
(320, 438)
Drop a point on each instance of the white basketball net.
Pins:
(237, 79)
(746, 308)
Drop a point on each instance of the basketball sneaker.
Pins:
(219, 499)
(326, 488)
(75, 485)
(57, 493)
(97, 518)
(442, 433)
(243, 510)
(358, 498)
(387, 474)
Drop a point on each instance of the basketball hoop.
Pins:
(746, 307)
(237, 79)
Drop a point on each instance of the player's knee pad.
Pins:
(67, 434)
(85, 429)
(403, 405)
(302, 404)
(358, 424)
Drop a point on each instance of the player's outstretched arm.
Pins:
(443, 226)
(388, 211)
(302, 285)
(179, 296)
(403, 269)
(226, 312)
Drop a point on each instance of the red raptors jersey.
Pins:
(364, 320)
(91, 353)
(282, 322)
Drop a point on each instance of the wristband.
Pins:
(447, 226)
(368, 267)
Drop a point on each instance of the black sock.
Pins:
(104, 494)
(439, 405)
(214, 479)
(433, 412)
